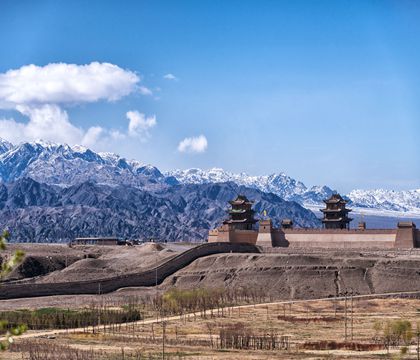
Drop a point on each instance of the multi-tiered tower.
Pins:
(335, 213)
(241, 215)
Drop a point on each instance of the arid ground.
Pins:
(306, 328)
(284, 304)
(282, 273)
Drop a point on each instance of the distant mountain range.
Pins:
(51, 192)
(57, 164)
(377, 201)
(279, 184)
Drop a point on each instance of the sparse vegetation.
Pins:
(193, 330)
(55, 318)
(6, 329)
(394, 332)
(8, 264)
(43, 350)
(224, 322)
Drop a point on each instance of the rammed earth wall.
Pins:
(334, 238)
(146, 278)
(405, 236)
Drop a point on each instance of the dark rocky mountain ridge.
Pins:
(37, 212)
(63, 165)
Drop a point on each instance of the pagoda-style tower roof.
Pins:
(241, 200)
(241, 215)
(335, 199)
(326, 210)
(336, 213)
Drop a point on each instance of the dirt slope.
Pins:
(283, 273)
(303, 276)
(59, 263)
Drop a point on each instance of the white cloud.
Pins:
(47, 122)
(145, 91)
(92, 136)
(116, 135)
(40, 92)
(193, 144)
(170, 77)
(140, 124)
(12, 130)
(62, 83)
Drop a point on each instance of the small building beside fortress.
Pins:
(99, 241)
(240, 227)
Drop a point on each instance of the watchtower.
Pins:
(241, 215)
(335, 213)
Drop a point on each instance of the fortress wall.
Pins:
(406, 237)
(328, 238)
(264, 239)
(403, 237)
(223, 235)
(334, 238)
(341, 240)
(145, 278)
(213, 236)
(336, 231)
(244, 236)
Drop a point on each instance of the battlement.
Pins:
(405, 235)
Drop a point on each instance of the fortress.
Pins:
(240, 227)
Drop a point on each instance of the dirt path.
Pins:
(34, 334)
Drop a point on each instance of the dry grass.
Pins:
(301, 322)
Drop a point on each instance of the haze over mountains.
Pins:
(53, 192)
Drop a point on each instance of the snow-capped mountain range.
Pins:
(279, 184)
(63, 165)
(400, 201)
(377, 201)
(54, 193)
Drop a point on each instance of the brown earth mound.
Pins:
(282, 274)
(33, 266)
(148, 247)
(60, 263)
(303, 276)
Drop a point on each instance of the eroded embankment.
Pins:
(300, 276)
(282, 273)
(152, 276)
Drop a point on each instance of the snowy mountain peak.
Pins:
(109, 157)
(63, 165)
(5, 146)
(46, 144)
(79, 148)
(405, 201)
(291, 189)
(279, 184)
(58, 164)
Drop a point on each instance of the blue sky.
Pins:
(326, 91)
